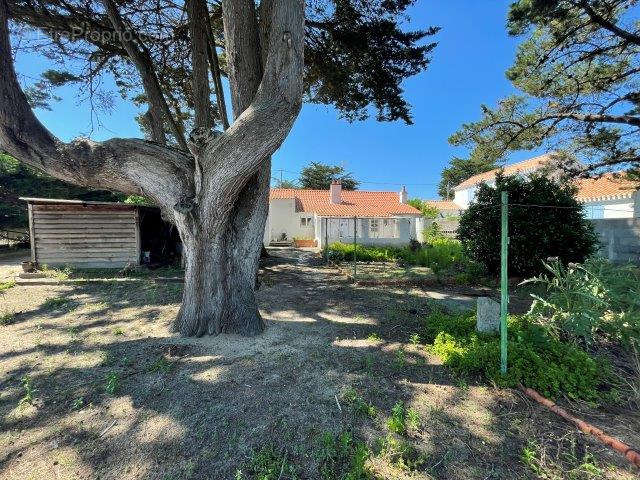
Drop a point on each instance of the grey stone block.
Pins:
(487, 315)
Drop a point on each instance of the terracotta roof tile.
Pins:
(608, 186)
(443, 204)
(355, 203)
(524, 166)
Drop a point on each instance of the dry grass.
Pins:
(115, 395)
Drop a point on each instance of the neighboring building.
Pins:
(608, 196)
(98, 234)
(465, 193)
(446, 208)
(318, 216)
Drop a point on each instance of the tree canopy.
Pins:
(357, 54)
(318, 176)
(577, 69)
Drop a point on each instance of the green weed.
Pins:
(118, 331)
(57, 273)
(403, 419)
(400, 453)
(268, 464)
(57, 303)
(7, 285)
(359, 404)
(6, 318)
(161, 365)
(400, 359)
(373, 337)
(566, 465)
(78, 403)
(29, 391)
(112, 383)
(414, 339)
(343, 457)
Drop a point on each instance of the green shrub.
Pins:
(597, 298)
(534, 233)
(536, 358)
(438, 254)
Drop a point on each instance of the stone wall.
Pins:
(619, 238)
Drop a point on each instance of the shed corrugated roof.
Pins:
(355, 203)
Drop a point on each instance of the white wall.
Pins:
(398, 231)
(619, 208)
(283, 219)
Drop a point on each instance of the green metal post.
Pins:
(504, 283)
(355, 247)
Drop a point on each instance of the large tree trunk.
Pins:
(217, 297)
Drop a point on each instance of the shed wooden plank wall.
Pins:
(85, 236)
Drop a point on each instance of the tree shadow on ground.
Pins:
(147, 405)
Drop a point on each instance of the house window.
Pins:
(593, 212)
(373, 225)
(306, 221)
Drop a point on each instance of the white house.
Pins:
(608, 196)
(313, 217)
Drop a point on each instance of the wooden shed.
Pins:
(94, 234)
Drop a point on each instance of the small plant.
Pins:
(403, 419)
(112, 383)
(367, 363)
(57, 303)
(161, 365)
(29, 391)
(595, 299)
(397, 421)
(78, 403)
(400, 453)
(359, 404)
(6, 318)
(373, 337)
(567, 465)
(400, 359)
(268, 464)
(118, 331)
(57, 273)
(414, 339)
(7, 285)
(343, 457)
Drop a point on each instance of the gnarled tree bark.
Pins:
(216, 196)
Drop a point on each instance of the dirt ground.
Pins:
(95, 385)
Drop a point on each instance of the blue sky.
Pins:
(467, 70)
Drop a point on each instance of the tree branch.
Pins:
(142, 60)
(128, 165)
(264, 124)
(197, 17)
(243, 52)
(607, 25)
(214, 63)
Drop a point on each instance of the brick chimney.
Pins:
(335, 192)
(404, 196)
